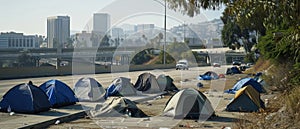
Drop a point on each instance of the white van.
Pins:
(182, 64)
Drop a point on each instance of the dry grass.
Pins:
(283, 109)
(262, 65)
(282, 113)
(293, 104)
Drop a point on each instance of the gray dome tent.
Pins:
(188, 103)
(167, 82)
(88, 89)
(147, 83)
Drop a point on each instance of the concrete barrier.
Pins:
(27, 72)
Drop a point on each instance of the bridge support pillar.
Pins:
(208, 61)
(124, 60)
(58, 63)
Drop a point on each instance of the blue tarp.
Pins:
(208, 76)
(59, 94)
(244, 82)
(25, 98)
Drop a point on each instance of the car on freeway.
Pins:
(216, 65)
(238, 63)
(182, 64)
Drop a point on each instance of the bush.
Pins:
(249, 58)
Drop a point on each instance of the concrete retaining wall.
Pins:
(25, 72)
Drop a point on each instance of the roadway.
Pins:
(182, 78)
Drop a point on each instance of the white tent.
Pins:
(188, 103)
(88, 89)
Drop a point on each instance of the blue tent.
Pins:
(121, 87)
(233, 70)
(59, 94)
(244, 82)
(25, 98)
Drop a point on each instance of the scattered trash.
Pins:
(11, 113)
(181, 125)
(57, 122)
(146, 119)
(187, 125)
(8, 109)
(199, 85)
(158, 97)
(128, 112)
(266, 102)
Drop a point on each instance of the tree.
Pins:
(69, 43)
(25, 60)
(104, 41)
(192, 7)
(141, 57)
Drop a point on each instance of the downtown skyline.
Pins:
(30, 17)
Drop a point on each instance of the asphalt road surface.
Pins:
(105, 79)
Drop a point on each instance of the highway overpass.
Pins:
(110, 54)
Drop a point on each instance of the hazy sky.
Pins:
(30, 16)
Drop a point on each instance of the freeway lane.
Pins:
(106, 78)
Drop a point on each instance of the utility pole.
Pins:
(165, 28)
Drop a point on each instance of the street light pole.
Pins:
(165, 28)
(164, 47)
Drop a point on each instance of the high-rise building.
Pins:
(83, 39)
(101, 23)
(143, 27)
(117, 32)
(58, 31)
(18, 40)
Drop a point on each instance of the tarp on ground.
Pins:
(244, 82)
(25, 98)
(233, 70)
(167, 82)
(147, 83)
(121, 87)
(246, 99)
(188, 103)
(89, 89)
(209, 75)
(59, 94)
(115, 107)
